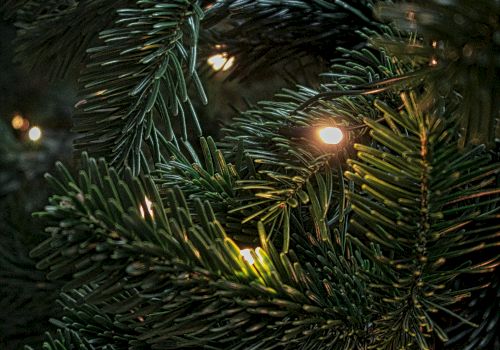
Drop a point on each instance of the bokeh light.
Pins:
(35, 133)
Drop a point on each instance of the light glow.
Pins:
(331, 135)
(149, 208)
(17, 122)
(220, 61)
(247, 255)
(35, 134)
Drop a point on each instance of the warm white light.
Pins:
(247, 255)
(433, 62)
(331, 135)
(17, 122)
(220, 61)
(228, 64)
(149, 208)
(35, 133)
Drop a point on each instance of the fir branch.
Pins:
(418, 209)
(483, 309)
(188, 284)
(9, 8)
(22, 288)
(46, 29)
(66, 339)
(139, 74)
(278, 156)
(457, 44)
(262, 34)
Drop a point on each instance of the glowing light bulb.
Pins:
(17, 122)
(149, 208)
(331, 135)
(247, 255)
(433, 62)
(35, 134)
(220, 61)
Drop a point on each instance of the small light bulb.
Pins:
(331, 135)
(17, 122)
(433, 62)
(247, 255)
(220, 62)
(228, 64)
(149, 208)
(35, 133)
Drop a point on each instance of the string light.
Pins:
(35, 134)
(330, 135)
(149, 208)
(247, 255)
(17, 122)
(220, 61)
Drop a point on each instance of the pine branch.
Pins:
(419, 206)
(279, 158)
(49, 28)
(483, 309)
(9, 8)
(457, 44)
(188, 284)
(22, 288)
(67, 339)
(262, 34)
(139, 74)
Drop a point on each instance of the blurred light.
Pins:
(247, 255)
(433, 62)
(35, 134)
(228, 64)
(331, 135)
(17, 122)
(220, 61)
(149, 208)
(26, 125)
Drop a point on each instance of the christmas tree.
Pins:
(358, 209)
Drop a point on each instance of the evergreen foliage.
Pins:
(458, 45)
(262, 33)
(387, 240)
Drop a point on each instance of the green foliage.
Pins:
(176, 278)
(370, 244)
(484, 310)
(48, 28)
(422, 208)
(457, 43)
(138, 76)
(22, 288)
(280, 161)
(260, 34)
(66, 340)
(8, 8)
